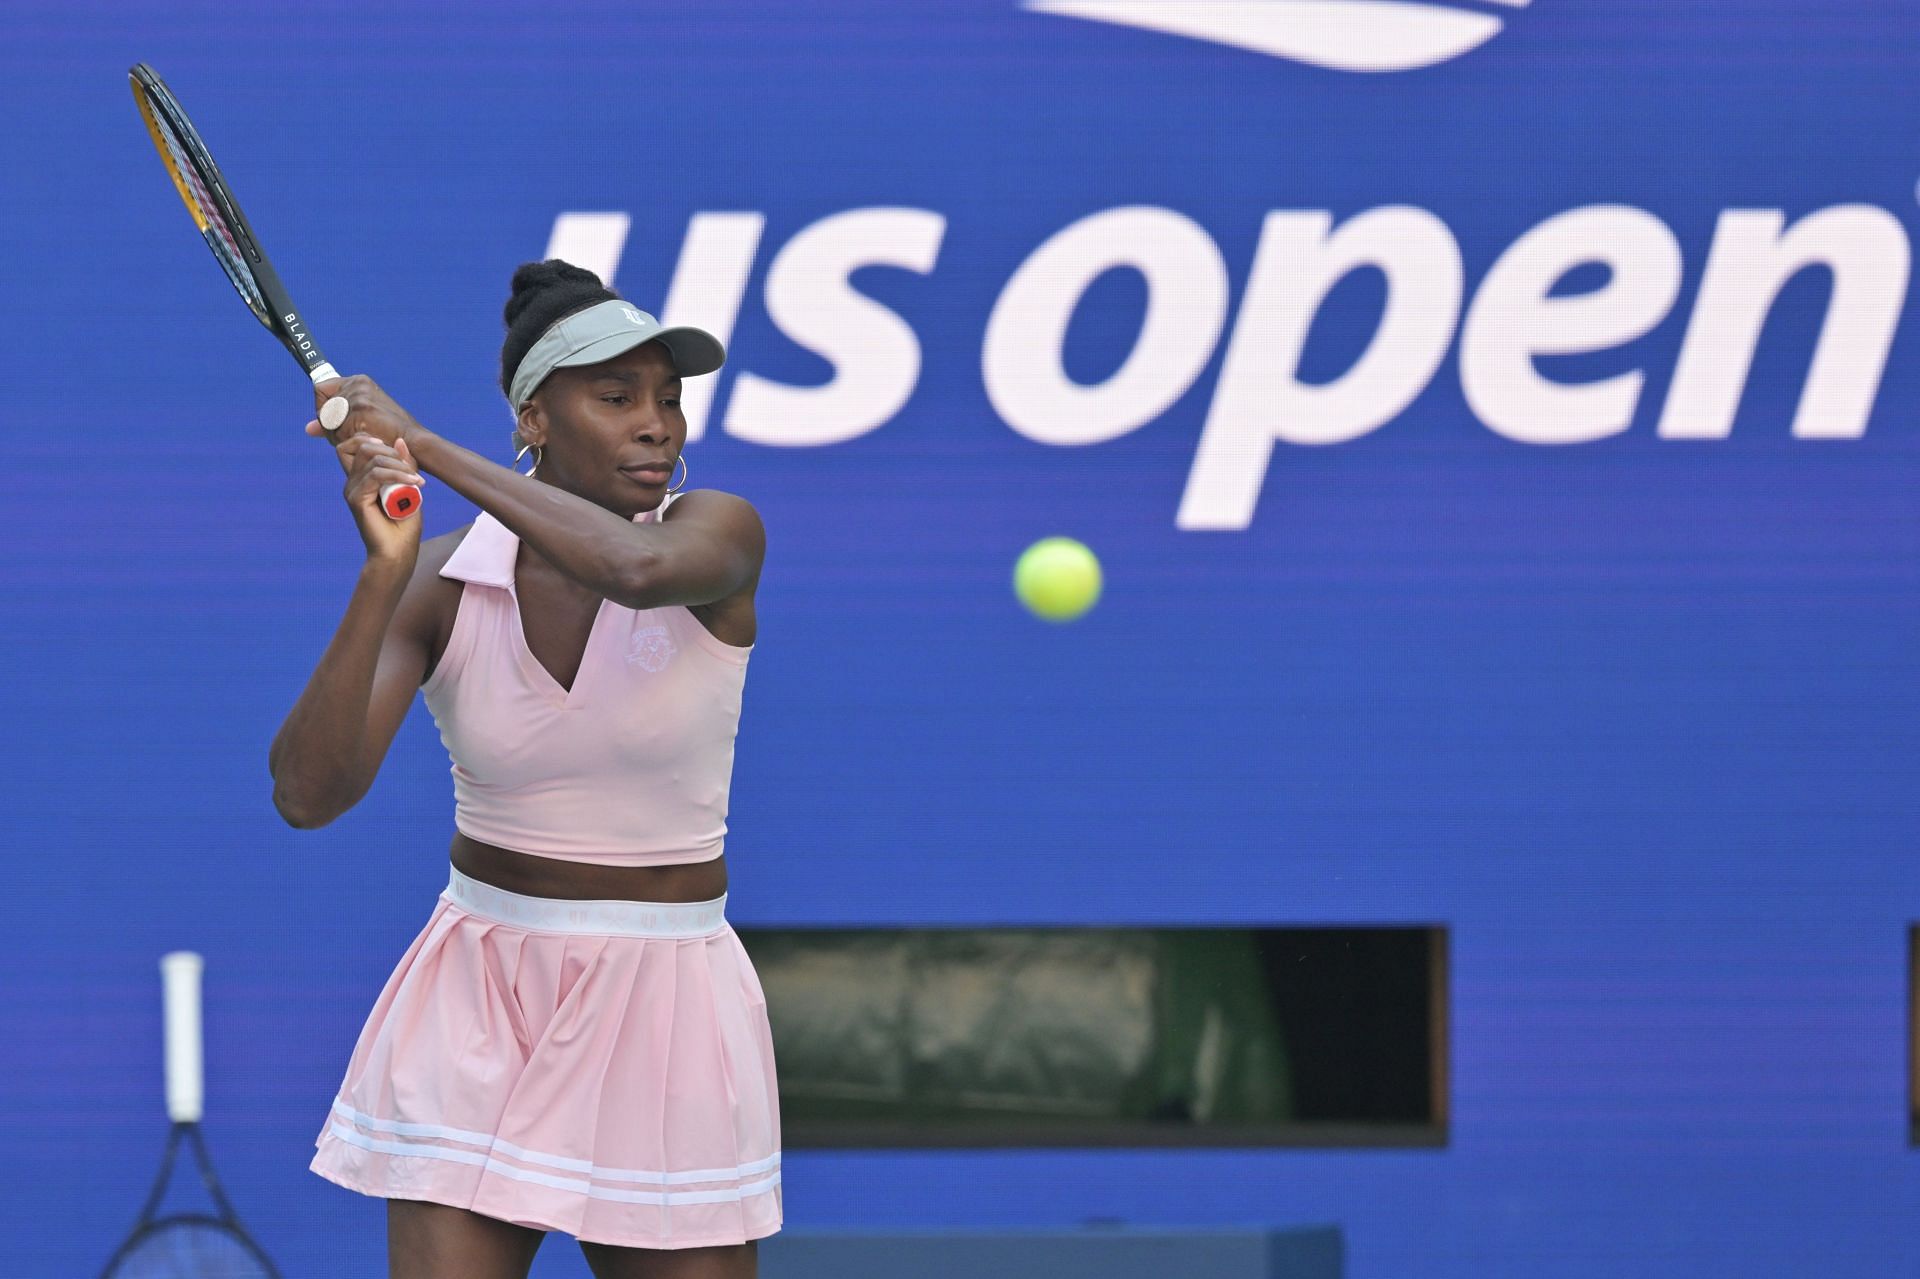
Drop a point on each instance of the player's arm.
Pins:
(709, 548)
(330, 748)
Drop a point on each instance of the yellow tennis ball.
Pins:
(1057, 578)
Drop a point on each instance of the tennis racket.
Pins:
(187, 1245)
(215, 212)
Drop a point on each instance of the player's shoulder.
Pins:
(429, 602)
(438, 550)
(704, 501)
(432, 557)
(721, 510)
(730, 516)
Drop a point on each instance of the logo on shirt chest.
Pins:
(650, 648)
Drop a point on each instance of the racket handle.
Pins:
(399, 501)
(180, 980)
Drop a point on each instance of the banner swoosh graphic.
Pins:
(1344, 35)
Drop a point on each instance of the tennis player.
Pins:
(576, 1040)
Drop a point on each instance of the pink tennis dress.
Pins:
(602, 1068)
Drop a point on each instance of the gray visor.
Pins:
(607, 329)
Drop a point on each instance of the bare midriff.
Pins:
(534, 876)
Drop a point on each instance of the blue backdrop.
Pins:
(1486, 544)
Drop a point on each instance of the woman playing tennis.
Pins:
(576, 1040)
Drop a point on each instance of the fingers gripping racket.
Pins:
(215, 212)
(187, 1245)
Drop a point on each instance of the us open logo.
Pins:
(650, 648)
(1343, 35)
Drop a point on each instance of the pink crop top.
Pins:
(629, 767)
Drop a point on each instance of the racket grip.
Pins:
(400, 501)
(180, 981)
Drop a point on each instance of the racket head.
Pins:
(197, 178)
(217, 215)
(189, 1246)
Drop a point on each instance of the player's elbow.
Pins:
(306, 810)
(299, 815)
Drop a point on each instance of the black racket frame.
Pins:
(148, 1225)
(281, 318)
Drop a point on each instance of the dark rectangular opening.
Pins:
(1326, 1036)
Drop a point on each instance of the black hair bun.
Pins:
(533, 279)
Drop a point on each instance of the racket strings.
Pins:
(190, 1250)
(226, 246)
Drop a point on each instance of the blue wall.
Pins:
(1633, 717)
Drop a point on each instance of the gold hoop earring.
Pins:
(539, 455)
(682, 459)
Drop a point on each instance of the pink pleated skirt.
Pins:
(602, 1068)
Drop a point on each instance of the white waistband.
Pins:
(558, 915)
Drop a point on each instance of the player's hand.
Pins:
(370, 463)
(369, 409)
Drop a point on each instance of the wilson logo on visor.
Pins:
(1344, 35)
